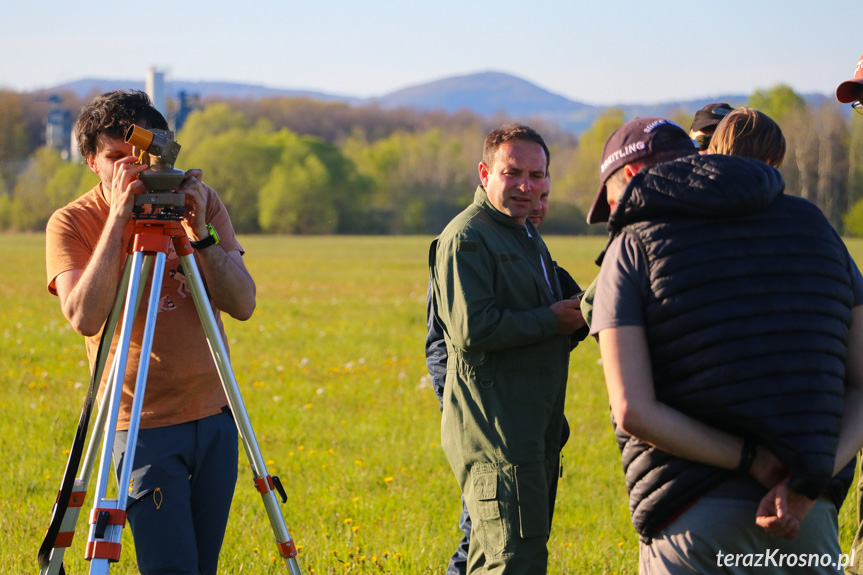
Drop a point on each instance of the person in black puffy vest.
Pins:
(725, 312)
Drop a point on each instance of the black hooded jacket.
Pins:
(747, 323)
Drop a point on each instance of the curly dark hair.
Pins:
(111, 114)
(508, 133)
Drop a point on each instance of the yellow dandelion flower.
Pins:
(355, 499)
(388, 479)
(348, 520)
(302, 448)
(621, 544)
(358, 462)
(307, 406)
(355, 528)
(270, 462)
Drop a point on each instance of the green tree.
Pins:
(575, 175)
(13, 138)
(70, 181)
(293, 201)
(855, 160)
(237, 163)
(31, 205)
(777, 102)
(853, 220)
(311, 189)
(816, 159)
(420, 180)
(212, 121)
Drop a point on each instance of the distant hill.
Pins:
(88, 86)
(484, 93)
(491, 93)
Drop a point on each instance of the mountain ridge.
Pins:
(487, 94)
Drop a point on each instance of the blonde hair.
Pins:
(749, 133)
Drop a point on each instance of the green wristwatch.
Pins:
(210, 240)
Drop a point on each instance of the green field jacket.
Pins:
(507, 367)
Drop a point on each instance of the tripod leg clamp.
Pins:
(101, 518)
(271, 483)
(287, 549)
(265, 484)
(64, 537)
(103, 550)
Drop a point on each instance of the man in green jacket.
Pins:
(507, 332)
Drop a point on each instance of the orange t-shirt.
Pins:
(182, 380)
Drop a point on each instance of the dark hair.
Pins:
(749, 133)
(509, 133)
(111, 114)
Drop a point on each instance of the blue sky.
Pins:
(599, 52)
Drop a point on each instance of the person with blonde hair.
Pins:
(749, 133)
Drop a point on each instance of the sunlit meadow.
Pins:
(332, 372)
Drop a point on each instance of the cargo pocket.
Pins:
(533, 512)
(489, 525)
(479, 368)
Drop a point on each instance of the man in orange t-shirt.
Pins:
(185, 463)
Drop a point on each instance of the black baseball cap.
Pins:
(709, 115)
(635, 140)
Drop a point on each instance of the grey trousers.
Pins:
(720, 536)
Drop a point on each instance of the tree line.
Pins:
(298, 166)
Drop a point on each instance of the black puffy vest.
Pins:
(747, 322)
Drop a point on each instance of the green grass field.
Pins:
(332, 371)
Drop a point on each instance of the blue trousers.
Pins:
(458, 562)
(182, 485)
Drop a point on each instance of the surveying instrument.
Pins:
(157, 214)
